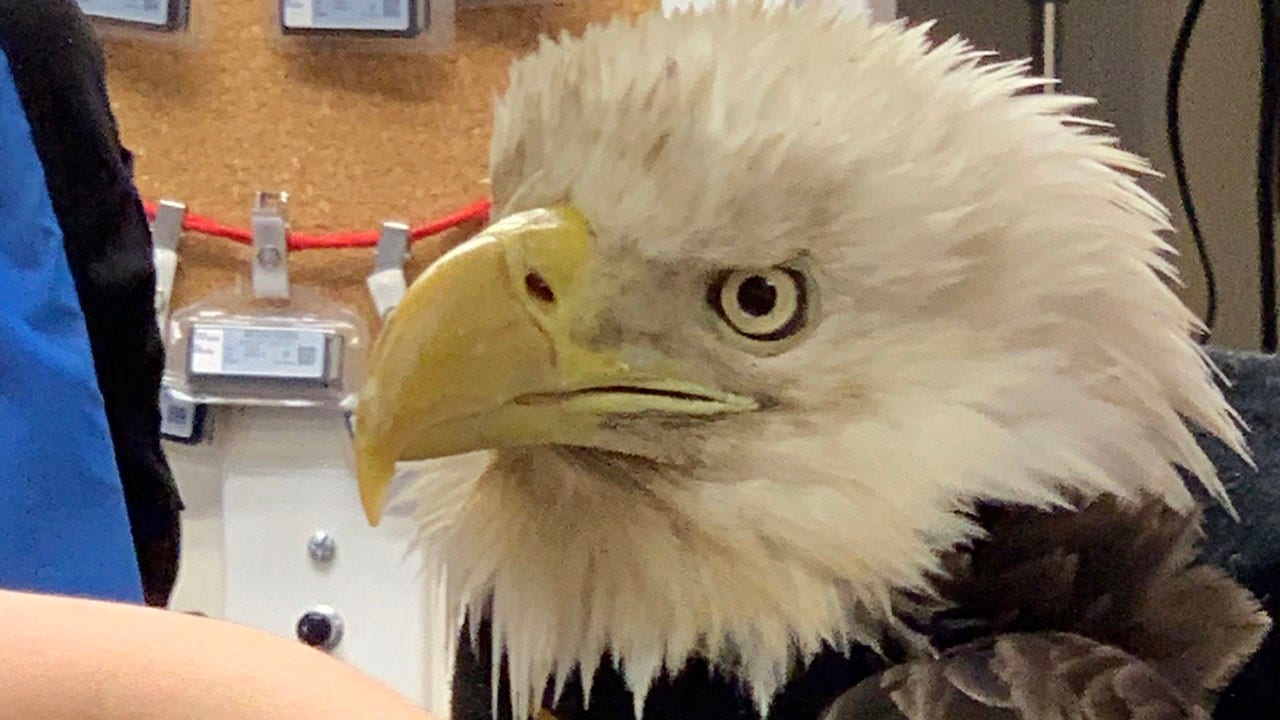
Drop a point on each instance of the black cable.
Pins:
(1268, 113)
(1173, 93)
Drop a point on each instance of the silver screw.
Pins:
(321, 546)
(270, 257)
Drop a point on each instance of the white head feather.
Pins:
(994, 323)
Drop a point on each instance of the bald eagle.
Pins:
(795, 332)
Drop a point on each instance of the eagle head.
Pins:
(771, 299)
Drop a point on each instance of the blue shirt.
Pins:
(63, 525)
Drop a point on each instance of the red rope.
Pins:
(477, 211)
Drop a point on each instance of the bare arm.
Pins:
(72, 659)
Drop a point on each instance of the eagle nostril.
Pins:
(536, 286)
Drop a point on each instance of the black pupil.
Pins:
(757, 296)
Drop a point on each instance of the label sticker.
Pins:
(206, 350)
(261, 352)
(180, 420)
(157, 13)
(375, 15)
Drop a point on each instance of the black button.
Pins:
(316, 629)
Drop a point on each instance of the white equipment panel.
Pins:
(284, 475)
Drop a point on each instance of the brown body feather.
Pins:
(1099, 611)
(1043, 676)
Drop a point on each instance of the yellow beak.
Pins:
(481, 354)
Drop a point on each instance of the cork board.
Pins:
(355, 140)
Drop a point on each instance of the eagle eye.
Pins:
(764, 305)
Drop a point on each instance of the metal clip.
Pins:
(271, 246)
(387, 285)
(166, 233)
